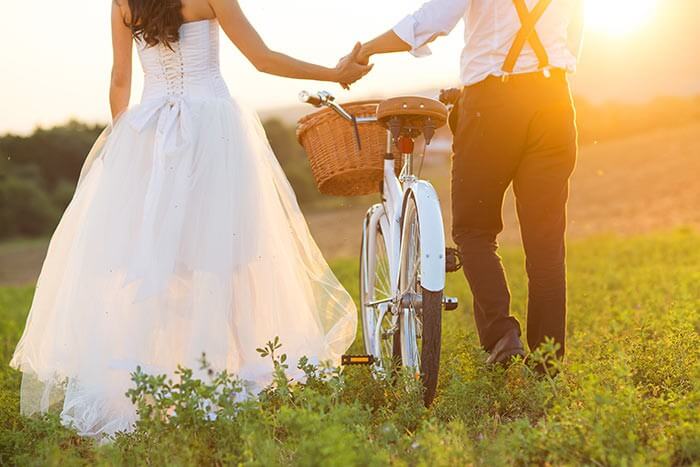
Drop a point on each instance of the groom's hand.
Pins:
(357, 56)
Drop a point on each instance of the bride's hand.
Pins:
(349, 70)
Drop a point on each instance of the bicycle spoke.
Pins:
(411, 327)
(379, 289)
(382, 278)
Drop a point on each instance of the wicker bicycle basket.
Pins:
(338, 166)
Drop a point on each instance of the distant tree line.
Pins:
(38, 175)
(38, 172)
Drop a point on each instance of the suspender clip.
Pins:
(505, 77)
(547, 72)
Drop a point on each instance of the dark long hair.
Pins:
(156, 21)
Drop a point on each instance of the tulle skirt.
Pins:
(165, 255)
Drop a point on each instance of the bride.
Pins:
(184, 236)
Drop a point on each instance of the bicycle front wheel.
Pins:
(379, 327)
(420, 317)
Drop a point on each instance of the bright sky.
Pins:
(55, 57)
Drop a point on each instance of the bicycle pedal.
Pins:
(357, 360)
(450, 303)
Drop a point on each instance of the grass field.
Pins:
(628, 392)
(630, 185)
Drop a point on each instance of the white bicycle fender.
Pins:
(432, 233)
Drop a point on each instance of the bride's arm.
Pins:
(245, 37)
(120, 84)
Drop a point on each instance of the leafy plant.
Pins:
(627, 393)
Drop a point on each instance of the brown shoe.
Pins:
(506, 348)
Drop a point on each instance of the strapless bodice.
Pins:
(188, 68)
(175, 77)
(178, 79)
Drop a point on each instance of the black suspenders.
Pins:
(527, 33)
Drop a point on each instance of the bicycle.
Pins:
(403, 254)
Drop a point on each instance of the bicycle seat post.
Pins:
(408, 117)
(406, 145)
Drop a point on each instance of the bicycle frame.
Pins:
(388, 215)
(402, 261)
(396, 191)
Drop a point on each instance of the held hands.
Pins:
(352, 67)
(386, 43)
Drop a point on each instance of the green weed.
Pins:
(628, 392)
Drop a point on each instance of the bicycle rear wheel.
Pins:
(420, 317)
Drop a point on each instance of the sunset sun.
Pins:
(619, 17)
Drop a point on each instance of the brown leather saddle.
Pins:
(412, 116)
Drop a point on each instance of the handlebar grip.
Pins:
(450, 96)
(307, 98)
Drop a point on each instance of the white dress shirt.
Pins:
(490, 27)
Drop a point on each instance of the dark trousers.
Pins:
(521, 132)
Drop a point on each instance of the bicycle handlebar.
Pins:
(450, 96)
(326, 99)
(307, 98)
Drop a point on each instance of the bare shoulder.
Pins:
(195, 10)
(224, 7)
(123, 6)
(192, 10)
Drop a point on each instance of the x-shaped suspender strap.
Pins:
(527, 33)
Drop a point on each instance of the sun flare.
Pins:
(619, 17)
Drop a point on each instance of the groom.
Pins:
(514, 123)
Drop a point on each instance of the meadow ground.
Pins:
(627, 394)
(631, 185)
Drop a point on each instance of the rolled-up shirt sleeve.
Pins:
(435, 18)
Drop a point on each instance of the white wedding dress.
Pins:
(183, 237)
